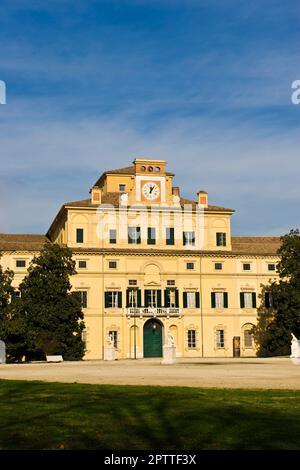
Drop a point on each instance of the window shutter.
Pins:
(225, 299)
(176, 298)
(138, 232)
(139, 298)
(84, 299)
(213, 300)
(106, 300)
(159, 298)
(185, 300)
(167, 297)
(242, 300)
(146, 297)
(184, 239)
(119, 299)
(253, 300)
(127, 298)
(197, 299)
(267, 300)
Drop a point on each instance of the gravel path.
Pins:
(270, 373)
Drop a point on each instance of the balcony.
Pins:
(153, 311)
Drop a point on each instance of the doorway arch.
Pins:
(153, 330)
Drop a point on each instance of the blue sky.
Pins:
(205, 85)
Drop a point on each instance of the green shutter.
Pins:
(213, 300)
(267, 300)
(167, 297)
(197, 299)
(146, 297)
(106, 300)
(184, 299)
(242, 300)
(225, 299)
(253, 300)
(159, 298)
(139, 298)
(119, 299)
(176, 298)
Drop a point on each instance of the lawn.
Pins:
(40, 415)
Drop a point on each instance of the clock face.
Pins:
(150, 191)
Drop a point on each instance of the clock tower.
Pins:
(150, 181)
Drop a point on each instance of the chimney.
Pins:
(176, 191)
(96, 195)
(202, 198)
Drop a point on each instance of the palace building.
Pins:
(151, 262)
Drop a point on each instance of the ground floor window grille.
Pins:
(191, 339)
(220, 339)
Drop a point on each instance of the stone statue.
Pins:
(171, 341)
(111, 340)
(295, 348)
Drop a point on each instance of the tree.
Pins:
(280, 315)
(6, 289)
(53, 314)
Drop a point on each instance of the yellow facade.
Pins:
(200, 285)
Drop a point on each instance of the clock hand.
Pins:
(151, 189)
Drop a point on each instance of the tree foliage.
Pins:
(278, 320)
(48, 318)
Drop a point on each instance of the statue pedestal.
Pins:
(109, 353)
(169, 355)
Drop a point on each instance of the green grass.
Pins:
(40, 415)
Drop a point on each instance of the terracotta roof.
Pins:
(113, 199)
(127, 170)
(21, 242)
(256, 245)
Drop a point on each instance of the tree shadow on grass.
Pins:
(70, 416)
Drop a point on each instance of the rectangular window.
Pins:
(246, 267)
(151, 239)
(134, 235)
(268, 300)
(113, 299)
(170, 283)
(190, 265)
(112, 236)
(220, 339)
(152, 298)
(132, 300)
(114, 336)
(20, 263)
(191, 299)
(221, 238)
(189, 238)
(171, 298)
(248, 339)
(248, 299)
(112, 264)
(191, 339)
(81, 264)
(218, 266)
(132, 282)
(122, 188)
(271, 267)
(83, 294)
(219, 299)
(170, 237)
(79, 235)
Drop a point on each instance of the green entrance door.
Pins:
(153, 339)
